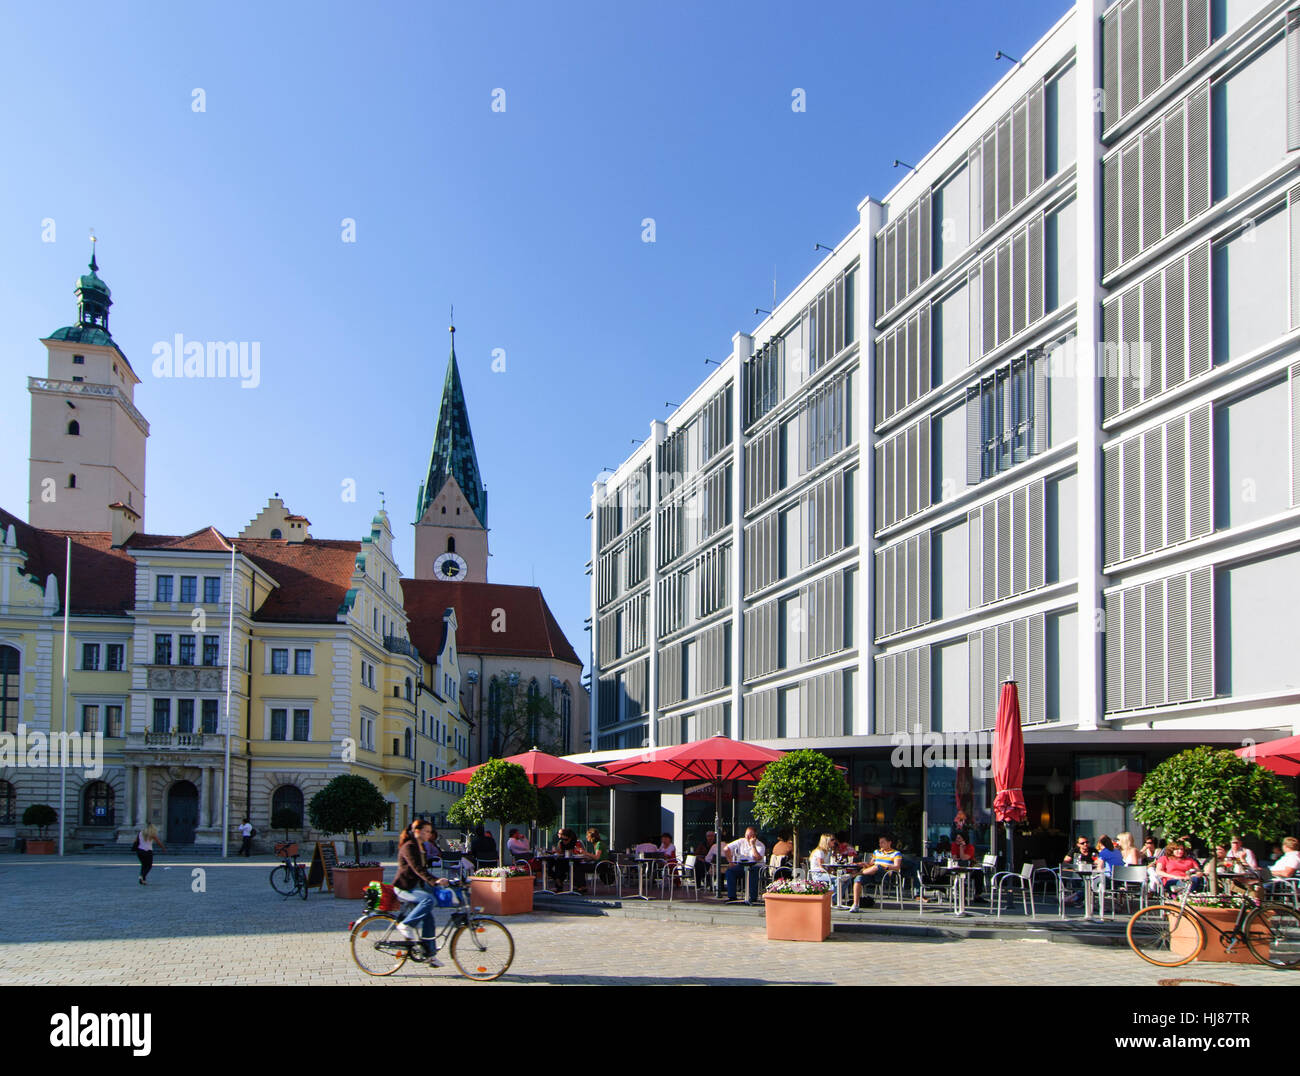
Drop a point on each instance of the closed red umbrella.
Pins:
(1280, 756)
(1009, 765)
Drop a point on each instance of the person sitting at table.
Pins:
(483, 848)
(645, 847)
(1239, 854)
(667, 849)
(517, 845)
(597, 851)
(844, 846)
(566, 844)
(1131, 856)
(821, 860)
(744, 855)
(1149, 852)
(883, 860)
(706, 854)
(1177, 868)
(962, 850)
(1288, 863)
(1082, 854)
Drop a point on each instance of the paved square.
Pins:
(85, 921)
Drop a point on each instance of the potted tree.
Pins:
(42, 816)
(1216, 795)
(499, 791)
(350, 804)
(799, 790)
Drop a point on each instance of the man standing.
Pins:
(882, 860)
(246, 831)
(745, 856)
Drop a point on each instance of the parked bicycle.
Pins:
(290, 877)
(1170, 935)
(480, 946)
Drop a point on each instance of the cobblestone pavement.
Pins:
(85, 921)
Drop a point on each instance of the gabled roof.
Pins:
(530, 628)
(103, 578)
(206, 540)
(453, 452)
(313, 574)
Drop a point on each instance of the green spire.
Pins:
(453, 454)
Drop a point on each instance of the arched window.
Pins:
(495, 692)
(407, 739)
(9, 690)
(8, 803)
(97, 804)
(275, 532)
(444, 509)
(408, 689)
(74, 428)
(451, 544)
(287, 798)
(72, 481)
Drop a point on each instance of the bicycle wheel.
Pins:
(1165, 935)
(282, 880)
(302, 881)
(1273, 935)
(482, 950)
(373, 945)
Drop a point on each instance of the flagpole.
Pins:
(230, 655)
(63, 767)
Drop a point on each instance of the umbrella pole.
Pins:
(717, 829)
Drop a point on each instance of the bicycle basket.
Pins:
(283, 849)
(388, 901)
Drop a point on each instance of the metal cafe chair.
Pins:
(1121, 883)
(682, 874)
(1022, 881)
(930, 892)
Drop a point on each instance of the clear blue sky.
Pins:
(226, 225)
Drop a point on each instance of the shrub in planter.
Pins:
(498, 792)
(797, 910)
(42, 816)
(802, 789)
(348, 804)
(502, 890)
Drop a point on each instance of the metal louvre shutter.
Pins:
(1293, 223)
(925, 379)
(1153, 487)
(1037, 708)
(881, 519)
(911, 597)
(1295, 434)
(923, 472)
(1113, 645)
(1293, 79)
(1128, 57)
(913, 232)
(1112, 498)
(1036, 269)
(1175, 323)
(890, 670)
(973, 471)
(1150, 37)
(1037, 126)
(878, 623)
(1199, 503)
(892, 289)
(1004, 166)
(911, 469)
(1133, 652)
(924, 237)
(882, 405)
(1004, 546)
(1005, 665)
(1198, 311)
(1176, 685)
(1130, 187)
(974, 554)
(1198, 152)
(913, 360)
(891, 377)
(1153, 322)
(1131, 332)
(989, 193)
(881, 305)
(1175, 192)
(1038, 535)
(1152, 217)
(893, 492)
(760, 716)
(1019, 152)
(989, 679)
(925, 607)
(1201, 633)
(1110, 343)
(1110, 67)
(1176, 480)
(890, 623)
(1110, 213)
(975, 678)
(1198, 28)
(1020, 662)
(1154, 642)
(1131, 470)
(1019, 282)
(1004, 292)
(1020, 541)
(1041, 430)
(988, 304)
(989, 556)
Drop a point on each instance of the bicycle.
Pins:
(1170, 935)
(290, 877)
(480, 946)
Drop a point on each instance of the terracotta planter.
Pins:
(40, 847)
(1213, 949)
(502, 896)
(798, 916)
(350, 882)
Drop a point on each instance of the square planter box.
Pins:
(502, 896)
(350, 882)
(1213, 951)
(39, 847)
(798, 916)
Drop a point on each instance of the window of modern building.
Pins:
(189, 589)
(1062, 657)
(162, 715)
(1247, 140)
(302, 662)
(950, 687)
(163, 588)
(211, 589)
(952, 229)
(1060, 257)
(279, 661)
(185, 655)
(1058, 114)
(1249, 283)
(1252, 442)
(951, 331)
(302, 724)
(950, 563)
(184, 715)
(1006, 416)
(279, 723)
(115, 657)
(1062, 528)
(90, 656)
(162, 649)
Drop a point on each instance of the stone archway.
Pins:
(182, 813)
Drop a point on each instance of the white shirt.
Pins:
(743, 849)
(145, 844)
(517, 846)
(245, 829)
(669, 851)
(817, 862)
(1289, 859)
(645, 848)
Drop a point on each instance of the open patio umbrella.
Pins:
(1009, 765)
(1280, 756)
(1118, 786)
(717, 759)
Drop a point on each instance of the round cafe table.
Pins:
(551, 857)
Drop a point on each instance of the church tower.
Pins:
(88, 438)
(451, 538)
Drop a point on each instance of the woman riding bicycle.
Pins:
(415, 885)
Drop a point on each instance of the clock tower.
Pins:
(451, 538)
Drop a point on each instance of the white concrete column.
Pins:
(141, 796)
(207, 788)
(871, 216)
(1087, 366)
(218, 795)
(593, 709)
(658, 432)
(742, 347)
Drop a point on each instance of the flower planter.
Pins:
(798, 916)
(1213, 950)
(40, 847)
(502, 896)
(350, 882)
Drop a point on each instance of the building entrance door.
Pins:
(182, 812)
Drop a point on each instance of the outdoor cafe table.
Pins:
(749, 865)
(960, 887)
(1085, 875)
(841, 869)
(551, 857)
(644, 864)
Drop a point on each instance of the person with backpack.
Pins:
(247, 832)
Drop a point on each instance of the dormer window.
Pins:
(80, 360)
(74, 428)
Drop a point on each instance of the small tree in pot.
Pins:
(348, 804)
(40, 815)
(802, 789)
(1215, 795)
(498, 792)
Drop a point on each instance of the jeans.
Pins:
(421, 917)
(146, 862)
(734, 872)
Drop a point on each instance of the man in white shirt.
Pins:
(516, 845)
(745, 857)
(246, 832)
(1289, 862)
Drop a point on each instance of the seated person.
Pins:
(566, 844)
(883, 860)
(1176, 868)
(962, 850)
(517, 845)
(1239, 854)
(666, 848)
(1082, 855)
(1149, 852)
(821, 860)
(784, 847)
(1288, 863)
(745, 856)
(706, 855)
(597, 851)
(844, 847)
(483, 849)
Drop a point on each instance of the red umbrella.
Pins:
(1280, 756)
(1117, 786)
(717, 759)
(547, 771)
(1009, 764)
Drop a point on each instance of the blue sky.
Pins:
(226, 224)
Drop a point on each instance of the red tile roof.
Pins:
(313, 575)
(205, 540)
(103, 578)
(530, 628)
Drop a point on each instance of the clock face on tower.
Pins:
(450, 567)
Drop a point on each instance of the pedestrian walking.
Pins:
(144, 842)
(247, 832)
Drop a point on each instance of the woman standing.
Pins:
(144, 842)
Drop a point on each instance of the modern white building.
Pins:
(1037, 416)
